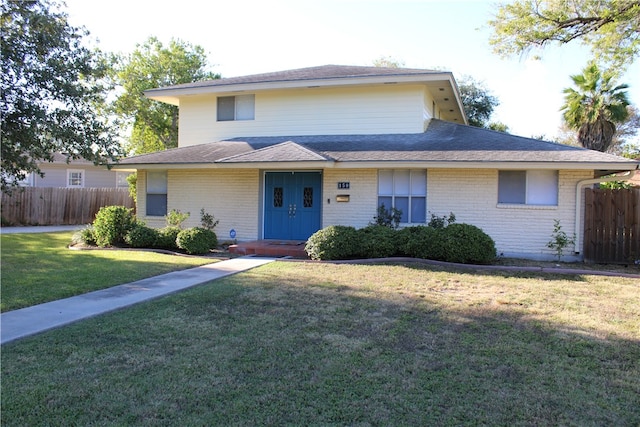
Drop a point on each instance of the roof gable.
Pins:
(287, 151)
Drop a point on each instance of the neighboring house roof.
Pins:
(59, 158)
(443, 144)
(441, 83)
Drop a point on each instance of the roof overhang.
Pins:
(604, 168)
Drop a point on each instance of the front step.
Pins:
(273, 248)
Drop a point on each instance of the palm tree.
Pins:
(595, 107)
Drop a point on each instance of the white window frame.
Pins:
(535, 180)
(70, 173)
(244, 107)
(417, 190)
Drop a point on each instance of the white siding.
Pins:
(430, 110)
(55, 175)
(312, 111)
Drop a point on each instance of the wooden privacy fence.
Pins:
(612, 226)
(60, 206)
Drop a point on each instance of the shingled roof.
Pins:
(443, 143)
(322, 72)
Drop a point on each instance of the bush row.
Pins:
(117, 226)
(461, 243)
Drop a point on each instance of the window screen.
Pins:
(157, 193)
(512, 187)
(240, 107)
(226, 108)
(534, 187)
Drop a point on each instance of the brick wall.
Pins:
(234, 197)
(472, 195)
(231, 196)
(363, 195)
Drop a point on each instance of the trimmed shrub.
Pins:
(112, 224)
(377, 241)
(166, 238)
(197, 240)
(422, 242)
(141, 236)
(333, 242)
(466, 243)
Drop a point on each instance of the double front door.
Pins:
(292, 204)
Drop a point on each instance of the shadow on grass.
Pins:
(542, 272)
(40, 268)
(282, 345)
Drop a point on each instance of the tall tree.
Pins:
(152, 65)
(623, 140)
(594, 108)
(387, 62)
(478, 103)
(51, 88)
(610, 27)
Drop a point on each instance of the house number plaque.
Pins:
(344, 185)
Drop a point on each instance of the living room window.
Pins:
(240, 107)
(532, 187)
(405, 190)
(75, 178)
(156, 193)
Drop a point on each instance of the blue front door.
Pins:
(292, 205)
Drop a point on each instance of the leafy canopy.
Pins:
(595, 106)
(610, 27)
(152, 65)
(52, 91)
(478, 102)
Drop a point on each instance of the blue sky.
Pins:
(244, 37)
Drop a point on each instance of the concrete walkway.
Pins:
(40, 229)
(28, 321)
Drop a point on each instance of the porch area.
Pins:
(274, 248)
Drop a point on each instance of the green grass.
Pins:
(324, 344)
(37, 268)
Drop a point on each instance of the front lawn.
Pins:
(323, 344)
(39, 267)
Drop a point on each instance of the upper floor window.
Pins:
(405, 190)
(240, 107)
(533, 187)
(75, 178)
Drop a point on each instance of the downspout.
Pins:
(579, 186)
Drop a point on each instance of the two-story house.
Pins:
(284, 154)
